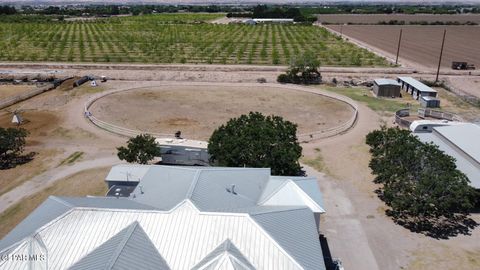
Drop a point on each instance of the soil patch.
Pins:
(198, 110)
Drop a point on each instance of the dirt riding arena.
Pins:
(198, 110)
(420, 43)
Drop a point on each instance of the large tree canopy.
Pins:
(303, 69)
(259, 141)
(419, 181)
(140, 149)
(12, 144)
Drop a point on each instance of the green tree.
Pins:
(418, 181)
(303, 69)
(140, 149)
(258, 141)
(12, 145)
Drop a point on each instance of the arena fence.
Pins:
(304, 137)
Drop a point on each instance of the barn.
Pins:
(416, 88)
(386, 88)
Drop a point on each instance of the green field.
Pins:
(174, 38)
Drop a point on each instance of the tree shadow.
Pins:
(14, 161)
(436, 227)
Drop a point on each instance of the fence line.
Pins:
(423, 112)
(304, 137)
(24, 96)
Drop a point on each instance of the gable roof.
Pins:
(129, 249)
(55, 206)
(183, 236)
(225, 256)
(166, 186)
(209, 188)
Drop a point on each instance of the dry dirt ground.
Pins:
(355, 224)
(198, 110)
(8, 90)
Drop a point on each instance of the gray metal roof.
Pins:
(131, 248)
(183, 237)
(186, 213)
(225, 256)
(386, 82)
(55, 206)
(164, 187)
(463, 164)
(417, 85)
(429, 98)
(302, 243)
(127, 172)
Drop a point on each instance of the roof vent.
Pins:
(232, 190)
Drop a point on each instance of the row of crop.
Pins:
(203, 43)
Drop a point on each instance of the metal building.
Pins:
(416, 88)
(461, 142)
(177, 218)
(386, 88)
(429, 102)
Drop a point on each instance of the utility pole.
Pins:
(398, 49)
(441, 53)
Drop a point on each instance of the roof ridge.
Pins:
(290, 208)
(274, 191)
(193, 184)
(60, 200)
(130, 229)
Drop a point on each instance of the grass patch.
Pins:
(72, 158)
(364, 95)
(89, 182)
(317, 162)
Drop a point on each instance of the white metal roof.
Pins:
(463, 164)
(183, 237)
(417, 85)
(465, 137)
(416, 125)
(181, 142)
(386, 82)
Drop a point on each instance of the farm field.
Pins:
(198, 110)
(420, 43)
(174, 38)
(376, 18)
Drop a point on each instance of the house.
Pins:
(459, 140)
(386, 88)
(177, 218)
